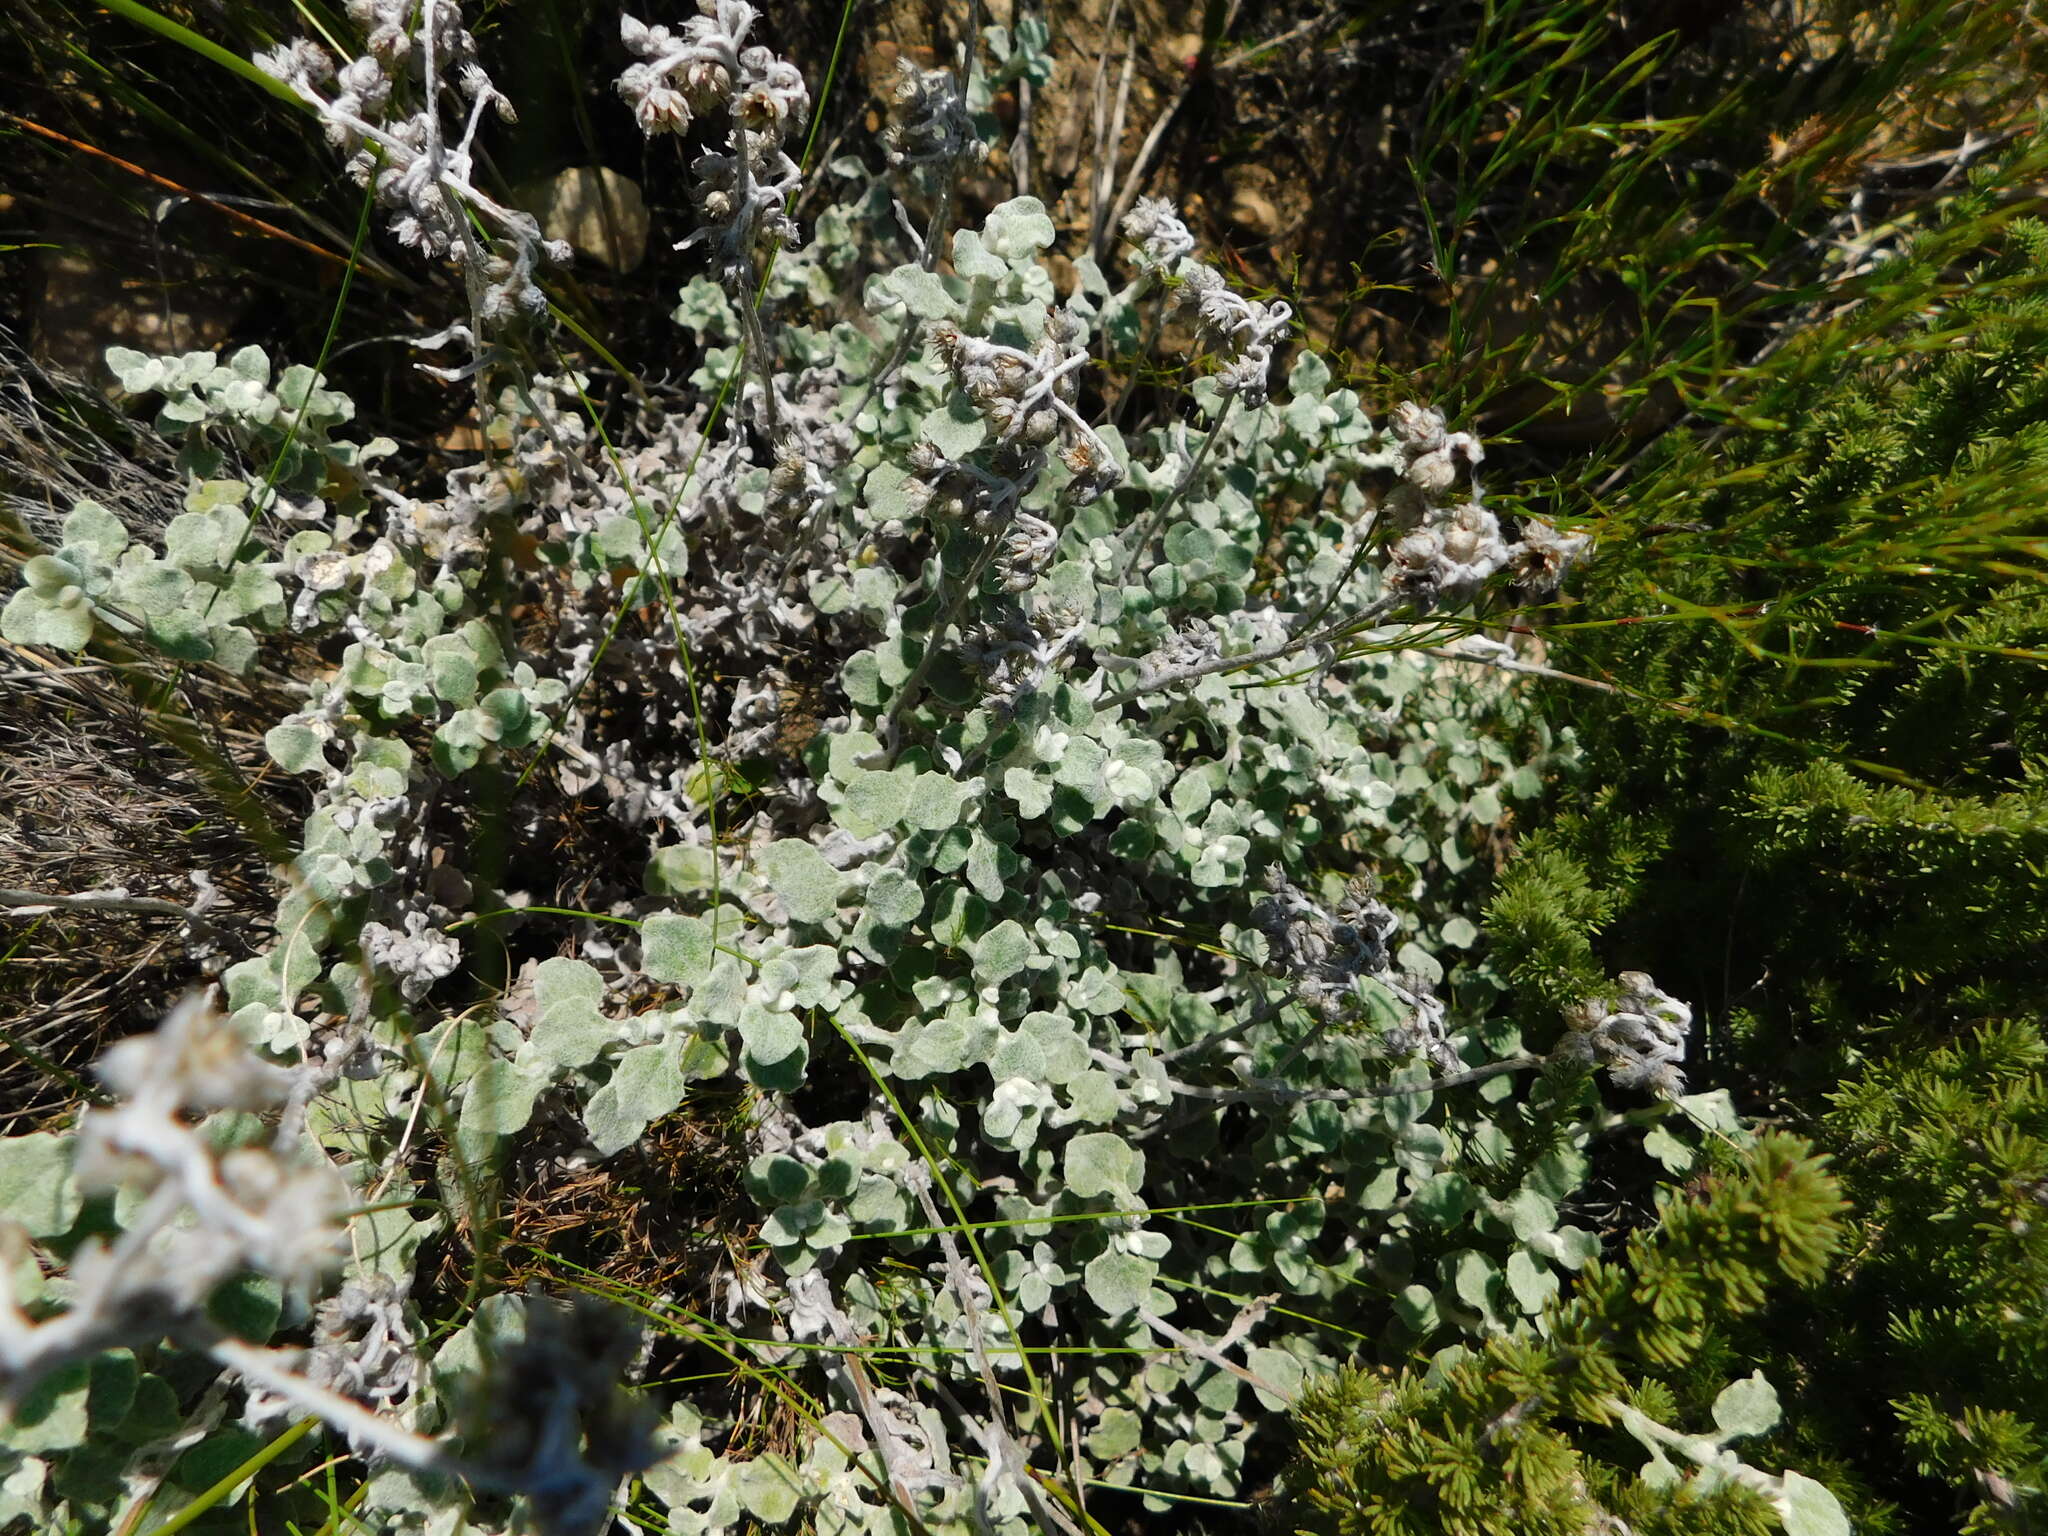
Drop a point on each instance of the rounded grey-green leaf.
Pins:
(1808, 1508)
(562, 981)
(872, 801)
(934, 802)
(32, 619)
(509, 710)
(138, 372)
(922, 293)
(894, 900)
(890, 493)
(770, 1037)
(152, 587)
(1118, 1433)
(776, 1178)
(49, 575)
(1747, 1407)
(1471, 1274)
(1062, 1049)
(1530, 1215)
(1019, 1055)
(36, 1187)
(770, 1488)
(499, 1101)
(1018, 230)
(1103, 1163)
(570, 1030)
(452, 670)
(676, 949)
(51, 1416)
(1031, 790)
(1416, 1307)
(92, 527)
(294, 748)
(197, 541)
(646, 1084)
(956, 429)
(1118, 1282)
(1281, 1370)
(620, 538)
(798, 873)
(1002, 952)
(1531, 1282)
(680, 870)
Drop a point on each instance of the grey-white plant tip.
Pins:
(203, 1215)
(1638, 1036)
(383, 109)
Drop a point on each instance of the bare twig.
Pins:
(38, 903)
(1106, 151)
(1212, 1354)
(1195, 463)
(1507, 662)
(1195, 671)
(1262, 1091)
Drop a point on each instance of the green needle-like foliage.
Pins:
(1822, 810)
(1514, 1439)
(1946, 1154)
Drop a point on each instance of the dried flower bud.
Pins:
(1418, 428)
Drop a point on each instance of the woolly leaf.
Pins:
(1530, 1215)
(646, 1084)
(809, 887)
(1416, 1306)
(1117, 1433)
(294, 748)
(1018, 230)
(956, 429)
(1019, 1055)
(1279, 1368)
(775, 1178)
(138, 372)
(36, 1187)
(1746, 1407)
(1118, 1282)
(770, 1036)
(499, 1101)
(934, 802)
(1809, 1509)
(675, 948)
(62, 624)
(1031, 792)
(151, 587)
(1003, 951)
(1674, 1154)
(920, 292)
(872, 802)
(769, 1488)
(890, 494)
(51, 1416)
(91, 527)
(941, 1048)
(894, 900)
(1471, 1274)
(680, 870)
(1532, 1284)
(1102, 1163)
(570, 1030)
(452, 670)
